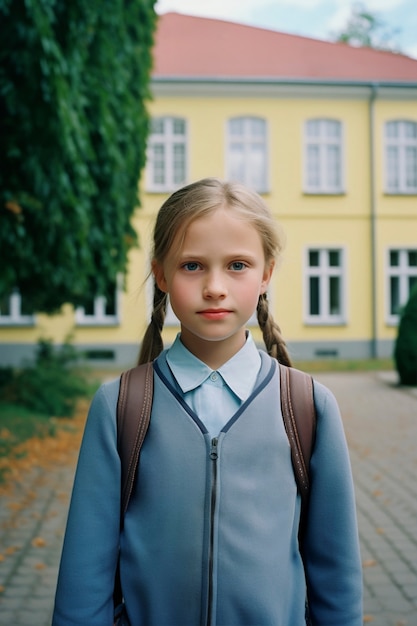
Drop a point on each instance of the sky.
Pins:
(319, 19)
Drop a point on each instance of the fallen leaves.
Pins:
(38, 542)
(45, 452)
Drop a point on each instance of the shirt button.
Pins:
(214, 376)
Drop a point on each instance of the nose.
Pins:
(214, 286)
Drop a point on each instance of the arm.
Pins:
(331, 547)
(89, 558)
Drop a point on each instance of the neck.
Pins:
(214, 353)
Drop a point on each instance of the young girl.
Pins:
(212, 542)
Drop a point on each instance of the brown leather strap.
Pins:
(135, 399)
(298, 410)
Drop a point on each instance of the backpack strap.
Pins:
(299, 415)
(133, 415)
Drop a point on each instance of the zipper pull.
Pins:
(213, 450)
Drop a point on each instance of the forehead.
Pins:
(221, 227)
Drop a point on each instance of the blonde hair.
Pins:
(176, 214)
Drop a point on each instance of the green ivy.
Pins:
(74, 86)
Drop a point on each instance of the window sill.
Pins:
(10, 323)
(324, 193)
(326, 322)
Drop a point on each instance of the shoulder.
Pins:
(107, 393)
(324, 399)
(102, 412)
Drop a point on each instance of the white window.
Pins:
(13, 311)
(402, 276)
(167, 154)
(401, 157)
(101, 310)
(325, 285)
(323, 156)
(247, 152)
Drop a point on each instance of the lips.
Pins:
(214, 314)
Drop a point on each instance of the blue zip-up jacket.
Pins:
(210, 536)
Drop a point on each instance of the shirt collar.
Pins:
(239, 373)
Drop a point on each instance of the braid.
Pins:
(152, 344)
(271, 332)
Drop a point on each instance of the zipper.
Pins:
(213, 456)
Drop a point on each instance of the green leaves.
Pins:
(73, 124)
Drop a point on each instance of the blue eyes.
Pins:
(237, 266)
(193, 266)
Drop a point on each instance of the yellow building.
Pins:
(327, 133)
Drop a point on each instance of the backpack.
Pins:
(134, 407)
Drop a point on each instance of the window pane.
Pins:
(178, 127)
(333, 129)
(236, 126)
(179, 163)
(157, 126)
(237, 163)
(257, 167)
(412, 280)
(158, 163)
(334, 295)
(89, 307)
(392, 130)
(394, 295)
(411, 167)
(5, 305)
(412, 258)
(410, 130)
(333, 167)
(24, 308)
(394, 258)
(313, 166)
(313, 258)
(334, 258)
(257, 127)
(313, 128)
(314, 295)
(393, 168)
(110, 306)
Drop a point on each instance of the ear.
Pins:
(158, 272)
(266, 279)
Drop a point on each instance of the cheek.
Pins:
(180, 291)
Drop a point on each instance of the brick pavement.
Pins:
(380, 421)
(381, 427)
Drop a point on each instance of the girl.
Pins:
(208, 543)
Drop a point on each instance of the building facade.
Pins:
(326, 133)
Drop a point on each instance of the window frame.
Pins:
(100, 318)
(403, 271)
(401, 143)
(246, 139)
(168, 139)
(323, 141)
(16, 317)
(325, 272)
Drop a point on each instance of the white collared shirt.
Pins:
(215, 395)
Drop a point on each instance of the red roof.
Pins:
(197, 47)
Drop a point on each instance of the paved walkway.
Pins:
(381, 427)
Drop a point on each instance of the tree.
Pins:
(365, 28)
(405, 352)
(74, 85)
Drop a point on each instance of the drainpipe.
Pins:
(373, 235)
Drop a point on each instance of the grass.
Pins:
(17, 425)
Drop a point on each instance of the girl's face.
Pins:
(214, 281)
